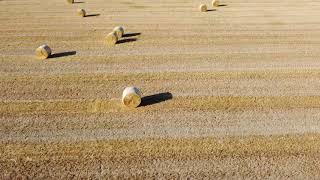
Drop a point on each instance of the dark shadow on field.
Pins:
(78, 2)
(92, 15)
(63, 54)
(211, 10)
(156, 98)
(221, 5)
(131, 34)
(126, 40)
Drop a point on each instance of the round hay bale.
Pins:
(112, 38)
(43, 52)
(70, 1)
(119, 31)
(203, 8)
(215, 3)
(131, 97)
(81, 12)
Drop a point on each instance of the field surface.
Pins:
(230, 93)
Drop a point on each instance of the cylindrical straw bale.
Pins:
(203, 8)
(43, 52)
(112, 38)
(119, 31)
(131, 97)
(215, 3)
(81, 12)
(70, 1)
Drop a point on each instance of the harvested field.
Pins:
(233, 92)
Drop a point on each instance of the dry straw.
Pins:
(131, 97)
(70, 1)
(215, 3)
(112, 38)
(81, 12)
(203, 8)
(43, 52)
(119, 31)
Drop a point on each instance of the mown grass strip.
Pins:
(268, 74)
(164, 148)
(209, 103)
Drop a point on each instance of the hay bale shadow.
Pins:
(131, 34)
(63, 54)
(92, 15)
(156, 98)
(126, 40)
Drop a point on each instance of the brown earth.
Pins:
(232, 93)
